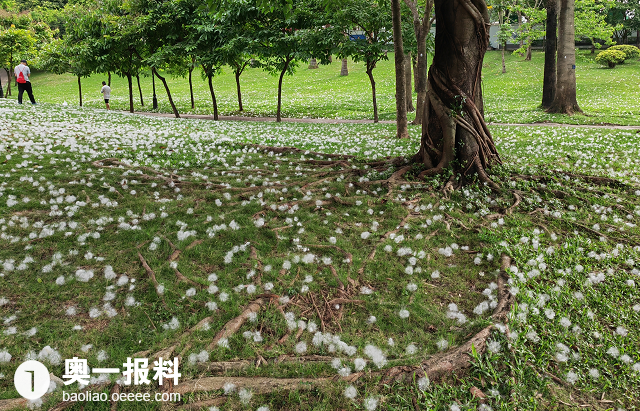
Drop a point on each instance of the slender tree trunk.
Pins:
(344, 70)
(421, 28)
(504, 65)
(284, 70)
(1, 90)
(407, 83)
(373, 91)
(238, 88)
(401, 92)
(593, 47)
(565, 100)
(166, 87)
(8, 83)
(213, 97)
(550, 46)
(140, 90)
(80, 90)
(454, 132)
(313, 64)
(109, 79)
(528, 56)
(193, 103)
(130, 80)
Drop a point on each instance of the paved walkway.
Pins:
(347, 121)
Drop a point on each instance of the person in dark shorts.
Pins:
(23, 73)
(106, 91)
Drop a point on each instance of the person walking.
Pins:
(23, 74)
(106, 91)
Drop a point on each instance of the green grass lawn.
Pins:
(87, 195)
(606, 96)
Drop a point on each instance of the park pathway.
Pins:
(367, 121)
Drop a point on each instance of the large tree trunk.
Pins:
(130, 80)
(109, 79)
(401, 107)
(166, 87)
(454, 132)
(565, 100)
(370, 67)
(80, 90)
(313, 64)
(407, 83)
(344, 69)
(284, 70)
(139, 90)
(421, 27)
(550, 46)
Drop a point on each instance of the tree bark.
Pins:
(166, 87)
(1, 90)
(408, 87)
(398, 48)
(565, 100)
(140, 90)
(550, 46)
(504, 65)
(528, 56)
(213, 97)
(454, 132)
(344, 70)
(109, 79)
(284, 70)
(130, 80)
(193, 103)
(313, 64)
(421, 27)
(370, 67)
(80, 90)
(8, 93)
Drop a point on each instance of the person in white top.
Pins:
(23, 73)
(106, 91)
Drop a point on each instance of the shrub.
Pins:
(610, 57)
(630, 52)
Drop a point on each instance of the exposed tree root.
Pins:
(515, 204)
(181, 277)
(259, 385)
(197, 406)
(152, 276)
(234, 325)
(439, 367)
(297, 150)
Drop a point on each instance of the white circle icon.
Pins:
(32, 380)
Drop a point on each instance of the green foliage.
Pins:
(591, 21)
(630, 52)
(16, 44)
(610, 57)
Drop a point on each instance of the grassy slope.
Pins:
(606, 96)
(560, 255)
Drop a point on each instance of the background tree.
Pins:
(375, 22)
(565, 98)
(550, 52)
(591, 22)
(423, 18)
(454, 133)
(531, 26)
(15, 45)
(401, 103)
